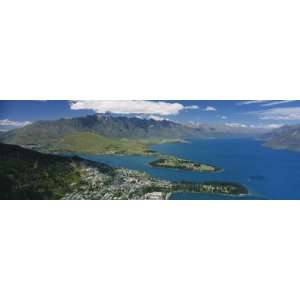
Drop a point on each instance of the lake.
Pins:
(268, 173)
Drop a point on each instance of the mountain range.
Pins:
(107, 133)
(100, 133)
(103, 124)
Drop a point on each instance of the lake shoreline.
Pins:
(241, 159)
(210, 194)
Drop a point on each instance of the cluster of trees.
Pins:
(200, 187)
(26, 174)
(211, 187)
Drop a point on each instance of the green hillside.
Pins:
(26, 174)
(86, 142)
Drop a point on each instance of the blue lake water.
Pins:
(268, 173)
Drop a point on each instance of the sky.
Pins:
(260, 113)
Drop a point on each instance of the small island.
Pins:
(176, 163)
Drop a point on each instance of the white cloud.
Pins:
(7, 122)
(223, 117)
(131, 107)
(158, 118)
(274, 126)
(191, 107)
(287, 113)
(236, 125)
(210, 108)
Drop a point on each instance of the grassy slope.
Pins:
(93, 143)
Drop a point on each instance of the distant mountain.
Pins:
(131, 128)
(286, 137)
(228, 130)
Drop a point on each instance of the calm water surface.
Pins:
(268, 173)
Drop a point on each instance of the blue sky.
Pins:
(248, 113)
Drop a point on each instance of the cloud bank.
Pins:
(259, 126)
(132, 107)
